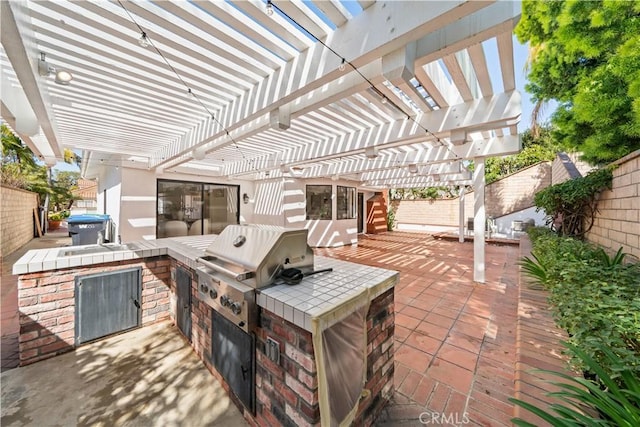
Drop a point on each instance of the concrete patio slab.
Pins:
(145, 377)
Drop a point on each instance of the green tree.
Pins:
(21, 169)
(534, 150)
(62, 185)
(586, 56)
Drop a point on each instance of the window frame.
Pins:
(319, 209)
(349, 198)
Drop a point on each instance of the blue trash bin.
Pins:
(88, 229)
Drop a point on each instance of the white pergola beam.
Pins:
(22, 58)
(406, 20)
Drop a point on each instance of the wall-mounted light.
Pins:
(62, 77)
(413, 168)
(269, 9)
(245, 198)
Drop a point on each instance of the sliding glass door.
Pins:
(192, 208)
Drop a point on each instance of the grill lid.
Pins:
(262, 250)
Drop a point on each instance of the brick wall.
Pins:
(287, 392)
(515, 192)
(16, 218)
(380, 350)
(46, 305)
(563, 169)
(510, 194)
(618, 222)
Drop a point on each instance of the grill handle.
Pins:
(244, 275)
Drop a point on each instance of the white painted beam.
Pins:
(18, 43)
(505, 51)
(407, 21)
(479, 219)
(461, 218)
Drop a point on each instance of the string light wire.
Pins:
(383, 98)
(189, 90)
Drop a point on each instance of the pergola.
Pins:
(389, 94)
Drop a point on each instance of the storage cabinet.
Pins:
(107, 303)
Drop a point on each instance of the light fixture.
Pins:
(413, 168)
(245, 198)
(269, 8)
(62, 77)
(198, 154)
(144, 40)
(342, 65)
(384, 99)
(371, 152)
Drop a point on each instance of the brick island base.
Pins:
(286, 392)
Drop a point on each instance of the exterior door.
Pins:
(360, 219)
(183, 304)
(107, 303)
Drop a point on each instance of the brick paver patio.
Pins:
(455, 340)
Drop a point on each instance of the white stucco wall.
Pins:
(131, 199)
(282, 202)
(108, 194)
(138, 205)
(131, 202)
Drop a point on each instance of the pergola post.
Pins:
(463, 190)
(478, 220)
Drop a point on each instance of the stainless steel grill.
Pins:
(244, 258)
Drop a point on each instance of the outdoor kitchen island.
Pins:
(318, 352)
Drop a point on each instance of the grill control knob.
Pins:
(224, 300)
(236, 308)
(204, 288)
(213, 294)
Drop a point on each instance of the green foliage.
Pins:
(20, 169)
(63, 183)
(607, 401)
(535, 270)
(586, 56)
(391, 218)
(571, 205)
(14, 151)
(595, 298)
(534, 150)
(422, 193)
(610, 262)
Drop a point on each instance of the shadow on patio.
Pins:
(145, 377)
(455, 352)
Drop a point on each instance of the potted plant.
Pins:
(54, 220)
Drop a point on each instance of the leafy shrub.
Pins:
(594, 297)
(571, 205)
(608, 401)
(391, 219)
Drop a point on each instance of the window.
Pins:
(319, 202)
(193, 208)
(346, 202)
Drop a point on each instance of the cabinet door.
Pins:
(107, 303)
(183, 303)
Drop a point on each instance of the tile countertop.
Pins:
(314, 297)
(317, 295)
(184, 249)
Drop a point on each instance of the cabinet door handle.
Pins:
(136, 303)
